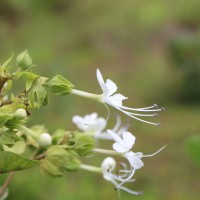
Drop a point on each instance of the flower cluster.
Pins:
(123, 140)
(22, 147)
(122, 146)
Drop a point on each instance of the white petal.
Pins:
(128, 139)
(119, 148)
(100, 79)
(115, 136)
(76, 119)
(116, 99)
(134, 160)
(111, 86)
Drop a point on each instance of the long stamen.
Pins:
(144, 115)
(130, 191)
(147, 109)
(154, 153)
(127, 113)
(126, 179)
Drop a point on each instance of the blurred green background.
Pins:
(151, 49)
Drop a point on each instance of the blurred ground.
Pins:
(129, 41)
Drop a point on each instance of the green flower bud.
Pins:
(20, 113)
(59, 85)
(24, 61)
(45, 139)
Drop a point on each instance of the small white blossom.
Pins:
(108, 166)
(115, 100)
(124, 145)
(95, 125)
(90, 123)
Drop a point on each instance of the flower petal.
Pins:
(116, 100)
(115, 136)
(128, 139)
(111, 86)
(134, 160)
(100, 79)
(119, 148)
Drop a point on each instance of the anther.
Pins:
(163, 109)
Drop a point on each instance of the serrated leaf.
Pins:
(6, 139)
(12, 162)
(83, 144)
(4, 115)
(62, 159)
(50, 168)
(19, 147)
(3, 67)
(37, 94)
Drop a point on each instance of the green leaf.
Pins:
(5, 115)
(37, 94)
(3, 67)
(57, 159)
(7, 137)
(193, 146)
(19, 147)
(50, 168)
(59, 85)
(83, 144)
(12, 162)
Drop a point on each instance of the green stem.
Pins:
(107, 152)
(88, 95)
(91, 168)
(28, 131)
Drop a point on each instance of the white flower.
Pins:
(90, 123)
(108, 166)
(115, 100)
(124, 145)
(95, 125)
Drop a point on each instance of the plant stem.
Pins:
(6, 183)
(91, 168)
(86, 94)
(107, 152)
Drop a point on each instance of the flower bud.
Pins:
(20, 113)
(108, 164)
(45, 139)
(23, 60)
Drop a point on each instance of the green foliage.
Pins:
(8, 137)
(12, 162)
(4, 116)
(37, 94)
(82, 143)
(24, 61)
(59, 85)
(193, 146)
(57, 159)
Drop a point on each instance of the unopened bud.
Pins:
(108, 164)
(45, 139)
(23, 60)
(20, 113)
